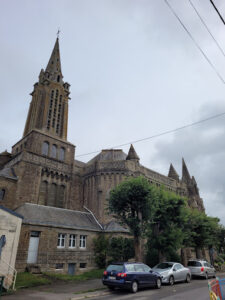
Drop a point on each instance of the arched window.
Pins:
(52, 194)
(43, 193)
(2, 194)
(45, 147)
(62, 153)
(60, 196)
(54, 151)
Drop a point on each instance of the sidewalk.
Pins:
(61, 291)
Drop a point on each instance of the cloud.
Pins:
(203, 147)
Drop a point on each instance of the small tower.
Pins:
(172, 173)
(49, 105)
(132, 155)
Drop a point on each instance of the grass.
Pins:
(25, 280)
(93, 274)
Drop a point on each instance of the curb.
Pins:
(90, 295)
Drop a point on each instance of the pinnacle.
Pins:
(132, 155)
(185, 173)
(172, 173)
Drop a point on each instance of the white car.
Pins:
(172, 272)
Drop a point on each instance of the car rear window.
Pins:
(130, 268)
(194, 264)
(117, 268)
(164, 266)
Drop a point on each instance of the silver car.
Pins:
(172, 272)
(201, 268)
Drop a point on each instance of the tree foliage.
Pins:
(108, 249)
(133, 203)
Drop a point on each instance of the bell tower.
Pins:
(48, 110)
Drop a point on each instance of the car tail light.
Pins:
(202, 269)
(122, 275)
(105, 273)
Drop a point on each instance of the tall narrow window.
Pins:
(2, 194)
(52, 194)
(62, 153)
(72, 241)
(83, 241)
(54, 151)
(43, 193)
(60, 196)
(61, 240)
(45, 147)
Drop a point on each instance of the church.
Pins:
(63, 200)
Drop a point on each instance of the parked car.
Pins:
(201, 268)
(130, 276)
(172, 272)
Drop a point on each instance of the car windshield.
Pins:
(194, 264)
(117, 268)
(164, 266)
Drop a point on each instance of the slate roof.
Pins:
(11, 212)
(114, 226)
(109, 155)
(8, 173)
(35, 214)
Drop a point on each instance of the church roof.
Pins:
(5, 153)
(35, 214)
(109, 155)
(8, 173)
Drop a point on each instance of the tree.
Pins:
(166, 233)
(133, 203)
(202, 231)
(101, 245)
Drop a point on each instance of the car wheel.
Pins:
(171, 280)
(158, 283)
(134, 287)
(188, 278)
(206, 276)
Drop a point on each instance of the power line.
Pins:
(216, 9)
(207, 28)
(194, 41)
(160, 134)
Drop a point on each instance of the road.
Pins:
(197, 289)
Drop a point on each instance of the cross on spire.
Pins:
(58, 32)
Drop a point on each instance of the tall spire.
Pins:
(54, 65)
(185, 174)
(172, 173)
(132, 155)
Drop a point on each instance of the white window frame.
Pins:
(61, 240)
(83, 241)
(72, 241)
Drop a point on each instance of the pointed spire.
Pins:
(132, 155)
(185, 174)
(54, 65)
(172, 173)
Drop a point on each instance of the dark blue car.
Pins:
(130, 276)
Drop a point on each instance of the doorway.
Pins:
(71, 268)
(33, 247)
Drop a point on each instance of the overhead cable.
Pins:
(195, 42)
(216, 9)
(159, 134)
(207, 28)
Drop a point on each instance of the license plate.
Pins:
(112, 278)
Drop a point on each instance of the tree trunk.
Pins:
(198, 252)
(184, 256)
(138, 249)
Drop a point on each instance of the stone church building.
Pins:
(63, 200)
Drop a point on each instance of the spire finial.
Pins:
(58, 32)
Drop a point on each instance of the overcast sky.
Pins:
(134, 72)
